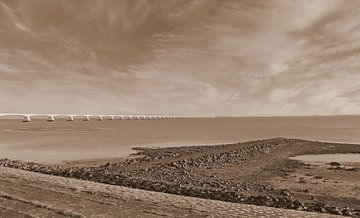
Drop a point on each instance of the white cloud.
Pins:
(192, 57)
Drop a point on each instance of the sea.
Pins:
(63, 140)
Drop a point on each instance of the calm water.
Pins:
(326, 158)
(61, 140)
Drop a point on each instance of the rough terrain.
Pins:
(242, 172)
(29, 194)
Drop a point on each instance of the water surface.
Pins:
(60, 140)
(327, 158)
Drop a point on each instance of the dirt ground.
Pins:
(37, 195)
(324, 182)
(256, 172)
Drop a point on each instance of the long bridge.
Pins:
(87, 117)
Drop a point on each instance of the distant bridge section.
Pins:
(88, 117)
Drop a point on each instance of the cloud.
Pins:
(191, 57)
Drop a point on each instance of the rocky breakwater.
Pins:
(234, 172)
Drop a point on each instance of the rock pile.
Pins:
(173, 170)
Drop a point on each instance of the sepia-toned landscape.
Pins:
(179, 108)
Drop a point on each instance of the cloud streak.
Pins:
(191, 57)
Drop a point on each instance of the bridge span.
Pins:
(88, 117)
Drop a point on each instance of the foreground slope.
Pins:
(29, 194)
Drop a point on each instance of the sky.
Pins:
(198, 57)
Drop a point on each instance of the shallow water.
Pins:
(60, 140)
(326, 158)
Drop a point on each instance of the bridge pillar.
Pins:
(51, 119)
(27, 119)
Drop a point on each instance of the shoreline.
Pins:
(62, 140)
(135, 149)
(208, 172)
